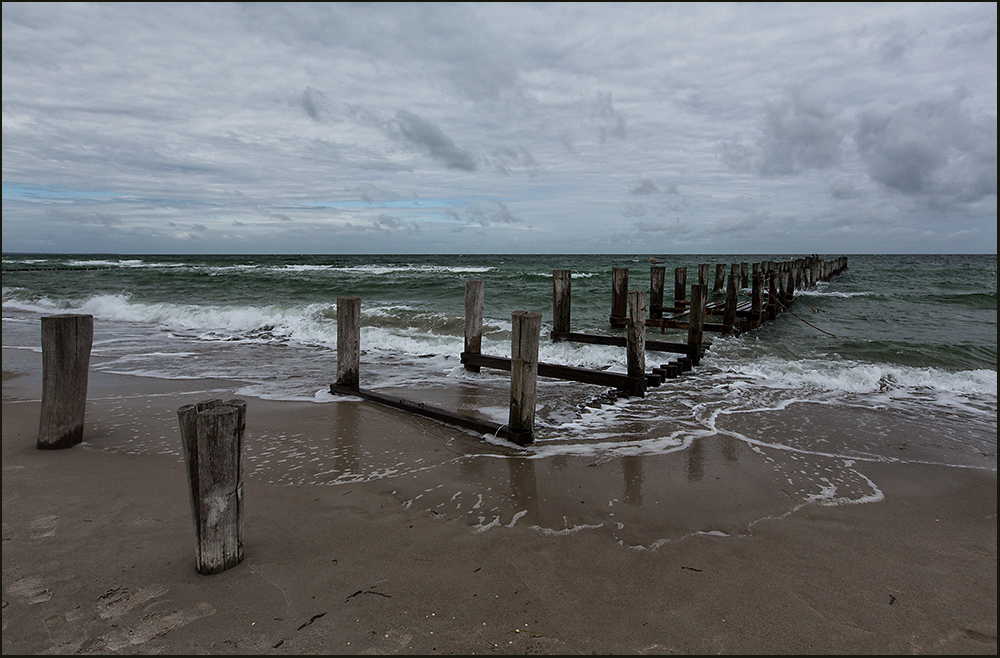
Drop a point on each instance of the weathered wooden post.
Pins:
(525, 326)
(474, 294)
(745, 275)
(785, 281)
(212, 435)
(729, 313)
(782, 290)
(66, 343)
(703, 274)
(561, 280)
(696, 323)
(619, 295)
(772, 294)
(657, 278)
(680, 287)
(720, 277)
(636, 343)
(348, 341)
(756, 299)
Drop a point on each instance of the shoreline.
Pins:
(453, 554)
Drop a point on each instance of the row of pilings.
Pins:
(772, 286)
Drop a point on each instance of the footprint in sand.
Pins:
(44, 526)
(31, 588)
(154, 625)
(119, 600)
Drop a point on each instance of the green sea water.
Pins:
(902, 348)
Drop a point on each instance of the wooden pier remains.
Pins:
(782, 278)
(690, 312)
(212, 435)
(67, 340)
(523, 365)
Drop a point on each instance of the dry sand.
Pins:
(98, 546)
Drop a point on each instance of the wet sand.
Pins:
(699, 551)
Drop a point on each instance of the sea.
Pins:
(893, 360)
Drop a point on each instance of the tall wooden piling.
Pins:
(348, 341)
(474, 296)
(187, 420)
(657, 278)
(696, 323)
(619, 294)
(561, 289)
(788, 289)
(635, 343)
(756, 299)
(744, 275)
(729, 313)
(772, 294)
(782, 297)
(525, 329)
(680, 287)
(212, 436)
(703, 274)
(66, 343)
(720, 277)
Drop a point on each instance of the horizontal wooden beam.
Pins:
(620, 341)
(436, 413)
(617, 380)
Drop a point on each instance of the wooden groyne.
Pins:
(67, 340)
(772, 287)
(523, 366)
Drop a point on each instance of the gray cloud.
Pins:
(652, 227)
(745, 222)
(93, 218)
(386, 222)
(420, 135)
(931, 148)
(795, 135)
(486, 213)
(609, 121)
(370, 193)
(843, 190)
(242, 200)
(645, 187)
(312, 101)
(506, 159)
(647, 197)
(585, 118)
(427, 138)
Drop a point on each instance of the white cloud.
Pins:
(588, 126)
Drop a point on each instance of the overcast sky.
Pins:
(513, 128)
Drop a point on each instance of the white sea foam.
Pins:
(551, 532)
(405, 269)
(105, 263)
(863, 378)
(820, 292)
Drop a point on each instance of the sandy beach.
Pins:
(695, 552)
